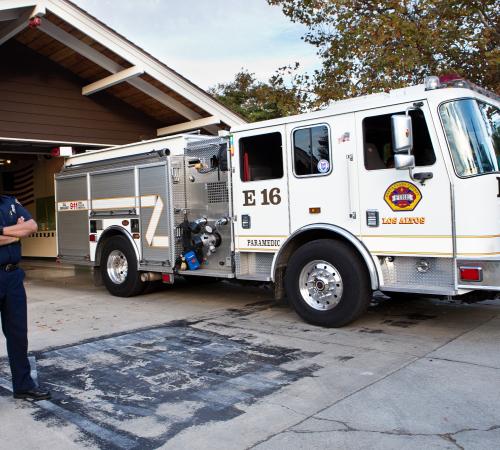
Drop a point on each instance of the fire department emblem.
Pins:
(402, 196)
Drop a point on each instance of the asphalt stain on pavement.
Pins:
(399, 323)
(418, 316)
(140, 389)
(370, 331)
(344, 358)
(413, 320)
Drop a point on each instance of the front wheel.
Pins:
(119, 269)
(327, 283)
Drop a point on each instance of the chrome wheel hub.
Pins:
(117, 267)
(321, 285)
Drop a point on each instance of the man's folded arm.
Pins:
(6, 240)
(21, 230)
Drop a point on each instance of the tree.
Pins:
(368, 45)
(257, 100)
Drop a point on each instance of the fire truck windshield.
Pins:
(472, 128)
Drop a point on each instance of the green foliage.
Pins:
(368, 46)
(255, 100)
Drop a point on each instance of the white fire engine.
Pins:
(398, 192)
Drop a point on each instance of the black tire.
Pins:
(343, 262)
(132, 284)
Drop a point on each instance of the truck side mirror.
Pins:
(402, 134)
(404, 161)
(402, 141)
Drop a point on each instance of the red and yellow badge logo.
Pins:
(402, 196)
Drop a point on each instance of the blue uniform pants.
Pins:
(14, 316)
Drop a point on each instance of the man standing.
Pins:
(15, 223)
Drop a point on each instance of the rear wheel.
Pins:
(119, 269)
(327, 283)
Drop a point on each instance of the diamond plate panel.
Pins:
(178, 183)
(402, 272)
(254, 264)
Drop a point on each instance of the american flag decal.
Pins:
(20, 184)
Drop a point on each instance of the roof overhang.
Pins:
(106, 61)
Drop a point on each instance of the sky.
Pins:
(209, 41)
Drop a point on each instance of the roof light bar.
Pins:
(455, 81)
(448, 80)
(432, 83)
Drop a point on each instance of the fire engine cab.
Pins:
(397, 192)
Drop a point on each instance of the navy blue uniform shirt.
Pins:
(10, 211)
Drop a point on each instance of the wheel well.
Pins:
(110, 232)
(308, 236)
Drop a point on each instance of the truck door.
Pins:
(323, 182)
(403, 219)
(260, 190)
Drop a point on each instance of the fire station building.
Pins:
(68, 80)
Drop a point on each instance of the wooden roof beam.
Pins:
(11, 29)
(189, 126)
(112, 80)
(111, 66)
(114, 42)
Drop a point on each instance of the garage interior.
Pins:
(68, 80)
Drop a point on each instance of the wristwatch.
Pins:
(1, 230)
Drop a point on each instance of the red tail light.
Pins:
(166, 278)
(471, 274)
(92, 238)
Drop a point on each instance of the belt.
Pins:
(8, 267)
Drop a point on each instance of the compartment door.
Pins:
(155, 213)
(72, 218)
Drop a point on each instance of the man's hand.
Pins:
(6, 240)
(22, 229)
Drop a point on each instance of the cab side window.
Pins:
(377, 141)
(311, 151)
(261, 157)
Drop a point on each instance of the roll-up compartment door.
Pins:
(72, 217)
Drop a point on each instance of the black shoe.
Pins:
(34, 394)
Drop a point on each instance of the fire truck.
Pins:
(397, 192)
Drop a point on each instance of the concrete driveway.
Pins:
(219, 366)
